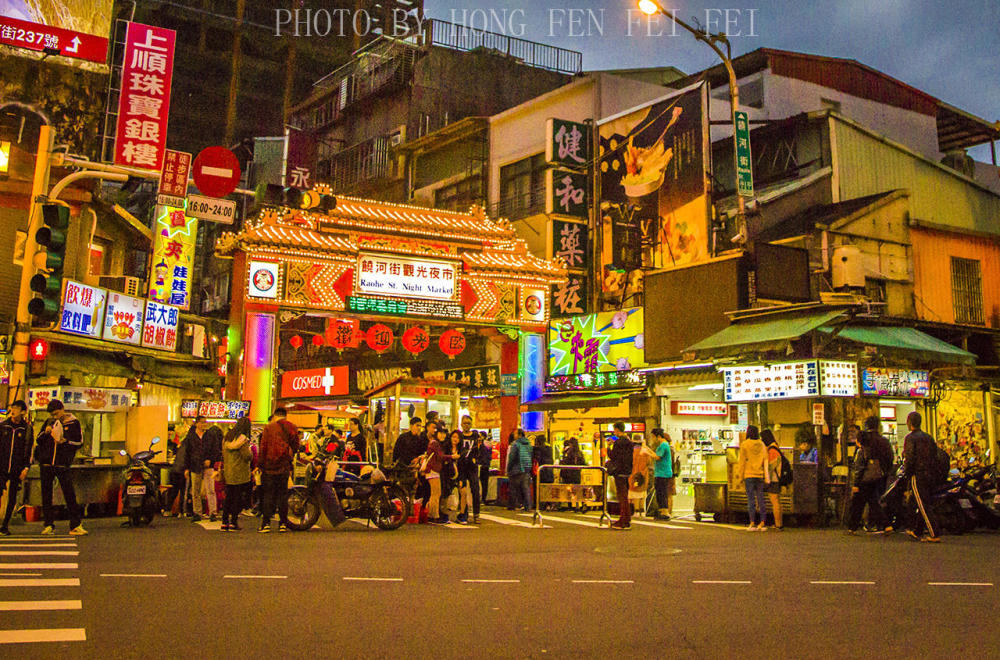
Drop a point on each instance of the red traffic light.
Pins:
(38, 349)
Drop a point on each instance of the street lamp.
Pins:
(650, 7)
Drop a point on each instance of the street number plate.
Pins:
(136, 490)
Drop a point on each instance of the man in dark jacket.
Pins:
(16, 441)
(869, 480)
(278, 443)
(54, 451)
(919, 457)
(620, 467)
(202, 453)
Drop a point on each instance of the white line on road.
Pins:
(20, 574)
(37, 539)
(255, 577)
(840, 582)
(603, 581)
(38, 565)
(41, 582)
(509, 521)
(373, 579)
(134, 575)
(23, 553)
(43, 635)
(720, 582)
(960, 584)
(38, 545)
(483, 581)
(571, 521)
(653, 524)
(33, 605)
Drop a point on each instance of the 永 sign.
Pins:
(326, 381)
(895, 382)
(174, 178)
(82, 310)
(263, 279)
(744, 171)
(160, 326)
(216, 171)
(533, 304)
(144, 103)
(566, 193)
(699, 408)
(124, 318)
(567, 143)
(787, 380)
(406, 277)
(174, 242)
(213, 209)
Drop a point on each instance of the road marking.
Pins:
(33, 605)
(509, 521)
(20, 574)
(255, 577)
(43, 635)
(41, 582)
(603, 581)
(960, 584)
(23, 553)
(134, 575)
(373, 579)
(484, 581)
(841, 582)
(38, 545)
(37, 539)
(37, 565)
(571, 521)
(720, 582)
(653, 524)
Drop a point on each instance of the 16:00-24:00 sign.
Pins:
(210, 208)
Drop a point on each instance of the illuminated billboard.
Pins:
(607, 341)
(77, 29)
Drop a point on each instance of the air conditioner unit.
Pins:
(121, 283)
(398, 136)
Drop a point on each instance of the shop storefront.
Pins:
(331, 305)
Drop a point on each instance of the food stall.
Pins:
(403, 398)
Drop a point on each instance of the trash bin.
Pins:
(710, 498)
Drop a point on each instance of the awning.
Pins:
(769, 333)
(574, 401)
(906, 339)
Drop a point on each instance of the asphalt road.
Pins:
(502, 589)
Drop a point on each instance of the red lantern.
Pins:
(416, 340)
(452, 343)
(379, 337)
(296, 342)
(317, 340)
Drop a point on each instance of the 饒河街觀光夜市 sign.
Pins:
(191, 408)
(914, 383)
(596, 382)
(405, 277)
(790, 380)
(89, 399)
(607, 341)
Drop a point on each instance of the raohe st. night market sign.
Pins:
(405, 277)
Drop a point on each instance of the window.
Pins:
(97, 259)
(967, 290)
(875, 289)
(459, 196)
(522, 187)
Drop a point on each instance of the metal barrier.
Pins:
(536, 518)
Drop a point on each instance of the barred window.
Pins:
(967, 290)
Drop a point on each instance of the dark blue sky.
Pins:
(947, 48)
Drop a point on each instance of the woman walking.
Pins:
(236, 458)
(773, 477)
(752, 467)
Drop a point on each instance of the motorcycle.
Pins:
(140, 499)
(383, 502)
(955, 504)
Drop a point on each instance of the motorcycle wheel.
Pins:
(148, 510)
(303, 510)
(134, 517)
(953, 520)
(389, 507)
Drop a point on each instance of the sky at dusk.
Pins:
(947, 48)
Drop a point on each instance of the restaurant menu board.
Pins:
(838, 378)
(191, 408)
(788, 380)
(895, 382)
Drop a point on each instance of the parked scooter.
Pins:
(140, 500)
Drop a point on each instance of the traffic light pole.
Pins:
(22, 330)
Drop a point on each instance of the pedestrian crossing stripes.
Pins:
(38, 566)
(43, 635)
(40, 582)
(23, 553)
(38, 545)
(36, 605)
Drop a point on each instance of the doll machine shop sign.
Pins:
(402, 277)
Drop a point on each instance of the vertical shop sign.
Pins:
(744, 173)
(567, 143)
(174, 178)
(144, 104)
(300, 165)
(532, 372)
(160, 326)
(173, 257)
(566, 193)
(569, 297)
(570, 241)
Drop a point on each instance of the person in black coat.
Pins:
(55, 450)
(16, 441)
(204, 450)
(619, 466)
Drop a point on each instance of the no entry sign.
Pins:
(216, 171)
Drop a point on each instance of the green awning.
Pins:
(574, 401)
(768, 333)
(906, 339)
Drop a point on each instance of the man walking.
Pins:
(278, 443)
(919, 457)
(620, 467)
(519, 458)
(198, 462)
(470, 464)
(55, 450)
(16, 441)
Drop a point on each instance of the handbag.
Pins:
(424, 462)
(873, 471)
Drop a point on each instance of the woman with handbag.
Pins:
(236, 457)
(869, 477)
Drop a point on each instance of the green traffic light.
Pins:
(53, 239)
(44, 309)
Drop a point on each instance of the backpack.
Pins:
(785, 479)
(942, 465)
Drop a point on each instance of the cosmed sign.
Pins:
(406, 278)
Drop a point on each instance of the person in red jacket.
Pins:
(278, 443)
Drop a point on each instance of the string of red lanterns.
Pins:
(379, 337)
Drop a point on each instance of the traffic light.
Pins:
(274, 195)
(49, 259)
